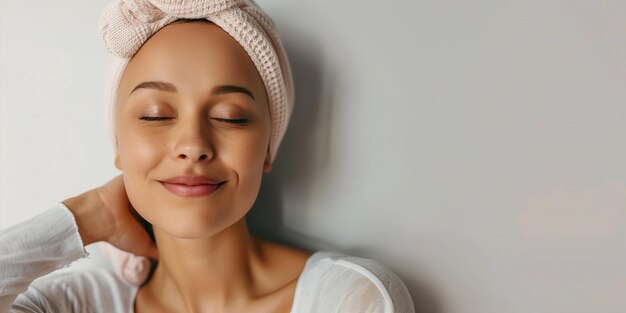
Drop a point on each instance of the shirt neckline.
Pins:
(296, 298)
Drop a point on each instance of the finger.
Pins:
(152, 252)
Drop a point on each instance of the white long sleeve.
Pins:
(36, 247)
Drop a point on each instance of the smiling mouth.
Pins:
(191, 190)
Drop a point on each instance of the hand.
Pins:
(105, 214)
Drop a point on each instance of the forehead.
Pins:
(195, 56)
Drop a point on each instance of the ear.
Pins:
(267, 165)
(118, 162)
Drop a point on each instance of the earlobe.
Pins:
(267, 165)
(117, 162)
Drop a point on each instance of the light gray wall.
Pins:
(474, 147)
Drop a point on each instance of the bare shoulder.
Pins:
(286, 258)
(282, 264)
(281, 268)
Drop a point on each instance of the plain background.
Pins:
(474, 147)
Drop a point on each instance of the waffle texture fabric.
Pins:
(125, 25)
(32, 252)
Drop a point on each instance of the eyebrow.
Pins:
(169, 87)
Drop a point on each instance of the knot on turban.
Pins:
(125, 25)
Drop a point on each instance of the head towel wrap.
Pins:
(125, 25)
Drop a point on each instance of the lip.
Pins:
(191, 186)
(191, 180)
(191, 190)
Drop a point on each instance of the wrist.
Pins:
(88, 211)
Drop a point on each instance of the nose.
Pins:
(193, 142)
(192, 155)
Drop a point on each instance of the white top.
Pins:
(32, 250)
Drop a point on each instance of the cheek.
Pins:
(246, 153)
(250, 168)
(138, 156)
(138, 152)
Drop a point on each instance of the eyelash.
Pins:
(240, 121)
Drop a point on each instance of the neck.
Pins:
(207, 274)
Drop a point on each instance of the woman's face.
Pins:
(209, 125)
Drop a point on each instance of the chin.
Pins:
(187, 225)
(189, 230)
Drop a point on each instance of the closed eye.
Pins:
(240, 121)
(155, 118)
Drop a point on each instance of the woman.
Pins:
(201, 94)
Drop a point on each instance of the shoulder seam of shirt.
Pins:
(367, 273)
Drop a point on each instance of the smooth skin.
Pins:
(208, 260)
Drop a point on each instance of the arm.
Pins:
(42, 244)
(58, 236)
(34, 248)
